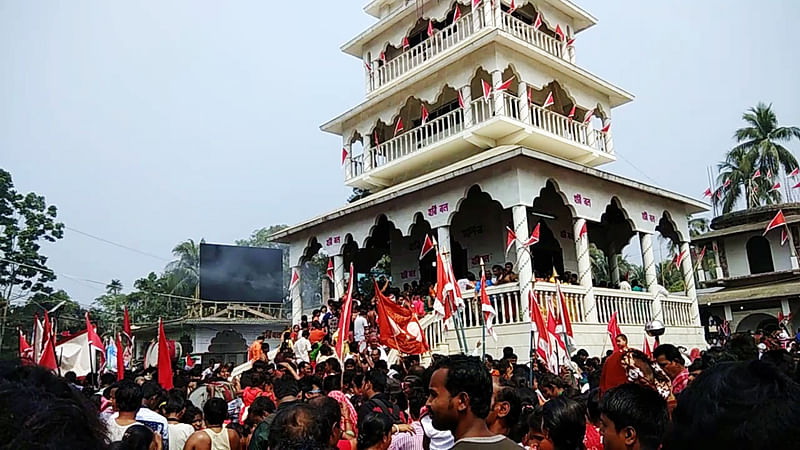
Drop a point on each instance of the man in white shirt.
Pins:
(127, 400)
(302, 346)
(360, 327)
(151, 392)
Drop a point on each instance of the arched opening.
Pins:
(426, 272)
(476, 232)
(314, 290)
(667, 273)
(759, 255)
(610, 238)
(228, 346)
(553, 252)
(758, 321)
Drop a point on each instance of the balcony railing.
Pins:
(433, 131)
(452, 35)
(571, 130)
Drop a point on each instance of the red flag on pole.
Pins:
(538, 22)
(344, 155)
(571, 42)
(796, 186)
(647, 351)
(549, 100)
(679, 259)
(510, 239)
(489, 312)
(719, 194)
(126, 324)
(588, 117)
(707, 193)
(460, 100)
(487, 89)
(406, 45)
(555, 342)
(329, 270)
(538, 325)
(784, 236)
(24, 347)
(346, 317)
(534, 239)
(368, 67)
(48, 327)
(424, 114)
(571, 115)
(475, 2)
(440, 305)
(164, 360)
(189, 361)
(530, 96)
(512, 7)
(564, 315)
(399, 127)
(607, 127)
(430, 28)
(795, 172)
(726, 183)
(775, 187)
(457, 14)
(777, 221)
(120, 359)
(583, 231)
(505, 85)
(48, 358)
(399, 327)
(383, 56)
(295, 278)
(756, 175)
(613, 329)
(427, 246)
(559, 32)
(91, 334)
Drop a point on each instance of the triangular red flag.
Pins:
(777, 221)
(549, 101)
(707, 193)
(460, 100)
(679, 259)
(606, 128)
(344, 155)
(487, 89)
(512, 7)
(796, 186)
(559, 32)
(399, 126)
(126, 324)
(505, 85)
(189, 361)
(583, 231)
(538, 22)
(457, 14)
(295, 278)
(489, 312)
(534, 237)
(120, 359)
(726, 183)
(775, 187)
(647, 351)
(424, 114)
(564, 317)
(538, 325)
(329, 271)
(347, 312)
(571, 115)
(94, 339)
(511, 238)
(164, 360)
(430, 28)
(369, 67)
(795, 172)
(475, 2)
(757, 174)
(784, 236)
(406, 45)
(383, 56)
(427, 246)
(719, 194)
(613, 329)
(441, 306)
(588, 117)
(24, 346)
(48, 327)
(48, 358)
(571, 42)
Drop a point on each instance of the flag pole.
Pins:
(482, 316)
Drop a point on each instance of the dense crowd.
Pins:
(302, 395)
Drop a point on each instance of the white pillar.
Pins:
(524, 265)
(466, 96)
(688, 280)
(443, 236)
(613, 268)
(728, 313)
(348, 162)
(488, 12)
(785, 309)
(585, 271)
(297, 301)
(524, 107)
(648, 260)
(720, 274)
(497, 97)
(338, 275)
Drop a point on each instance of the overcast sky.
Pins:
(150, 122)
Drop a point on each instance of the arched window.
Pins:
(759, 255)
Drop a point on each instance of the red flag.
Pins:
(607, 127)
(120, 359)
(457, 14)
(775, 187)
(707, 193)
(375, 138)
(795, 172)
(383, 56)
(489, 312)
(48, 358)
(571, 115)
(571, 42)
(796, 186)
(24, 347)
(126, 324)
(295, 278)
(329, 270)
(346, 317)
(679, 259)
(399, 328)
(406, 45)
(555, 342)
(719, 194)
(564, 317)
(559, 32)
(460, 100)
(784, 236)
(366, 64)
(588, 117)
(583, 231)
(424, 114)
(512, 7)
(476, 2)
(441, 306)
(487, 89)
(530, 96)
(534, 239)
(94, 339)
(538, 22)
(647, 351)
(48, 328)
(164, 361)
(189, 361)
(344, 155)
(777, 221)
(769, 173)
(505, 85)
(399, 127)
(756, 175)
(538, 325)
(510, 239)
(726, 183)
(549, 100)
(427, 246)
(430, 28)
(613, 329)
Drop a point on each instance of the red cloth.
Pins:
(399, 328)
(680, 382)
(613, 373)
(316, 335)
(592, 439)
(164, 360)
(344, 444)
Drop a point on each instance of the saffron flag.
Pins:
(777, 221)
(795, 172)
(489, 312)
(460, 100)
(120, 359)
(571, 115)
(510, 239)
(399, 327)
(406, 44)
(399, 127)
(126, 324)
(164, 360)
(647, 351)
(346, 317)
(613, 329)
(549, 101)
(538, 22)
(534, 239)
(679, 259)
(775, 187)
(487, 89)
(330, 270)
(344, 155)
(559, 32)
(784, 236)
(94, 339)
(707, 193)
(457, 14)
(607, 127)
(430, 28)
(588, 117)
(424, 114)
(427, 246)
(505, 85)
(538, 326)
(295, 278)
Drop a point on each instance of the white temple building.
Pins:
(479, 163)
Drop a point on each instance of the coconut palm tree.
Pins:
(697, 226)
(187, 267)
(114, 288)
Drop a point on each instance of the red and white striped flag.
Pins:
(399, 127)
(588, 117)
(511, 238)
(777, 221)
(457, 14)
(571, 115)
(460, 100)
(430, 28)
(487, 89)
(549, 100)
(559, 32)
(538, 22)
(505, 85)
(424, 114)
(534, 239)
(795, 172)
(405, 43)
(775, 187)
(707, 193)
(607, 127)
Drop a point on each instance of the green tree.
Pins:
(698, 226)
(25, 221)
(185, 271)
(358, 194)
(669, 276)
(114, 287)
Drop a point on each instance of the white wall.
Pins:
(205, 333)
(736, 253)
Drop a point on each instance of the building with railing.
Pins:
(755, 278)
(477, 118)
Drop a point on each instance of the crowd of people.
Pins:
(302, 395)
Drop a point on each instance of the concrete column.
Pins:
(488, 12)
(348, 162)
(497, 97)
(339, 284)
(613, 268)
(443, 236)
(497, 11)
(688, 280)
(785, 309)
(718, 269)
(369, 150)
(297, 301)
(728, 313)
(609, 141)
(648, 260)
(585, 271)
(524, 107)
(524, 264)
(466, 96)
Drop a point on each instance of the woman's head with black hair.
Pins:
(297, 424)
(138, 437)
(564, 421)
(329, 415)
(128, 397)
(375, 431)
